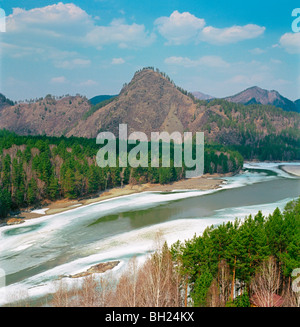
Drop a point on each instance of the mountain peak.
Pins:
(202, 96)
(255, 87)
(149, 102)
(257, 95)
(261, 90)
(149, 73)
(144, 75)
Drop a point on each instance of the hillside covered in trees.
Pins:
(36, 168)
(235, 264)
(257, 131)
(152, 102)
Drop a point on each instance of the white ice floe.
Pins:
(138, 242)
(40, 211)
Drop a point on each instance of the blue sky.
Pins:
(93, 47)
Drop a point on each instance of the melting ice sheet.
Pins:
(35, 253)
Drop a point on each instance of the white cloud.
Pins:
(46, 33)
(221, 36)
(275, 61)
(63, 27)
(179, 28)
(58, 80)
(57, 13)
(250, 80)
(89, 82)
(180, 61)
(257, 51)
(53, 21)
(205, 61)
(258, 79)
(117, 61)
(246, 74)
(118, 32)
(213, 61)
(19, 51)
(291, 42)
(184, 28)
(74, 63)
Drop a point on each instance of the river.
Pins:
(35, 253)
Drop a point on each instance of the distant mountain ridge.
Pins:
(257, 95)
(99, 98)
(47, 116)
(202, 96)
(151, 102)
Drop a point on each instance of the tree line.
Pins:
(260, 132)
(235, 264)
(235, 261)
(38, 168)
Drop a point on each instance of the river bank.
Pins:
(293, 170)
(72, 243)
(205, 182)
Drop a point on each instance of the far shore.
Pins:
(205, 182)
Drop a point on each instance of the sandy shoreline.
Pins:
(50, 208)
(205, 182)
(290, 169)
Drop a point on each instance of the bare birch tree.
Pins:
(224, 281)
(266, 284)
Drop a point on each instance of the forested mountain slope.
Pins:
(152, 102)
